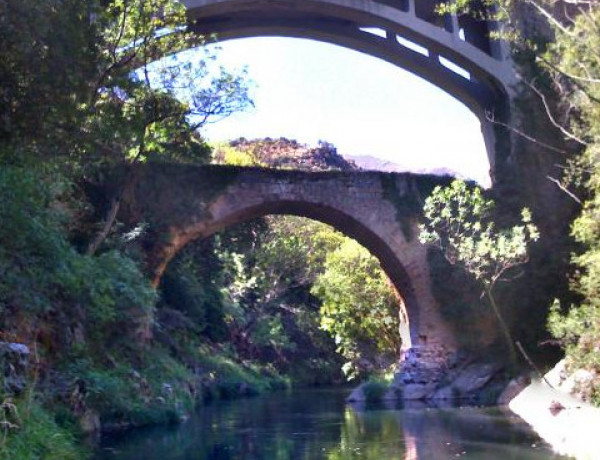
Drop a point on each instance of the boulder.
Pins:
(513, 389)
(474, 377)
(418, 391)
(89, 422)
(14, 361)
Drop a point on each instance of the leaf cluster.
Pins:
(43, 276)
(459, 220)
(358, 302)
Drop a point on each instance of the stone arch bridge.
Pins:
(455, 53)
(182, 203)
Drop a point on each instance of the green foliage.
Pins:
(147, 100)
(358, 303)
(570, 70)
(43, 273)
(268, 271)
(565, 77)
(156, 390)
(44, 72)
(270, 331)
(192, 285)
(35, 434)
(459, 221)
(228, 378)
(224, 153)
(374, 389)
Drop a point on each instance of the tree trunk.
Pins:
(108, 224)
(503, 326)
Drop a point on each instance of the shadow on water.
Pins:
(317, 424)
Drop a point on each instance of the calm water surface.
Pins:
(317, 424)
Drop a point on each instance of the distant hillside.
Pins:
(290, 154)
(370, 163)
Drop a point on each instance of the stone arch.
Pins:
(380, 210)
(443, 45)
(344, 223)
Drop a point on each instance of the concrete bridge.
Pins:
(380, 210)
(452, 52)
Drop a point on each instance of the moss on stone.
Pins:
(409, 203)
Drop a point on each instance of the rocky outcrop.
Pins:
(290, 154)
(439, 377)
(14, 361)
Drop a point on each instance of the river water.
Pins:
(318, 424)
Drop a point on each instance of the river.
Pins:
(317, 424)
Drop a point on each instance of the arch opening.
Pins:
(348, 24)
(340, 221)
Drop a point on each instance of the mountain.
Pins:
(371, 163)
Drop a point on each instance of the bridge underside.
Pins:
(454, 54)
(474, 94)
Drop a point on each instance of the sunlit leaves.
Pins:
(459, 221)
(148, 99)
(358, 302)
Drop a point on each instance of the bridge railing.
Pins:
(472, 28)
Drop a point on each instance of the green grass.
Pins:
(38, 436)
(228, 378)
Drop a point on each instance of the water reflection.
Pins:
(316, 424)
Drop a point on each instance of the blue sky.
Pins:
(311, 91)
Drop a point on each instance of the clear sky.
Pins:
(311, 91)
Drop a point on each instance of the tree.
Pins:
(565, 75)
(146, 101)
(359, 304)
(46, 64)
(459, 222)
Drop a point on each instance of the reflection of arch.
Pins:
(342, 222)
(481, 82)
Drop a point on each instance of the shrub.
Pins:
(37, 436)
(374, 390)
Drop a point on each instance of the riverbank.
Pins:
(568, 424)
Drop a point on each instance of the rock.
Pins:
(474, 377)
(89, 422)
(556, 407)
(167, 389)
(393, 393)
(513, 389)
(14, 360)
(17, 348)
(446, 393)
(418, 391)
(576, 382)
